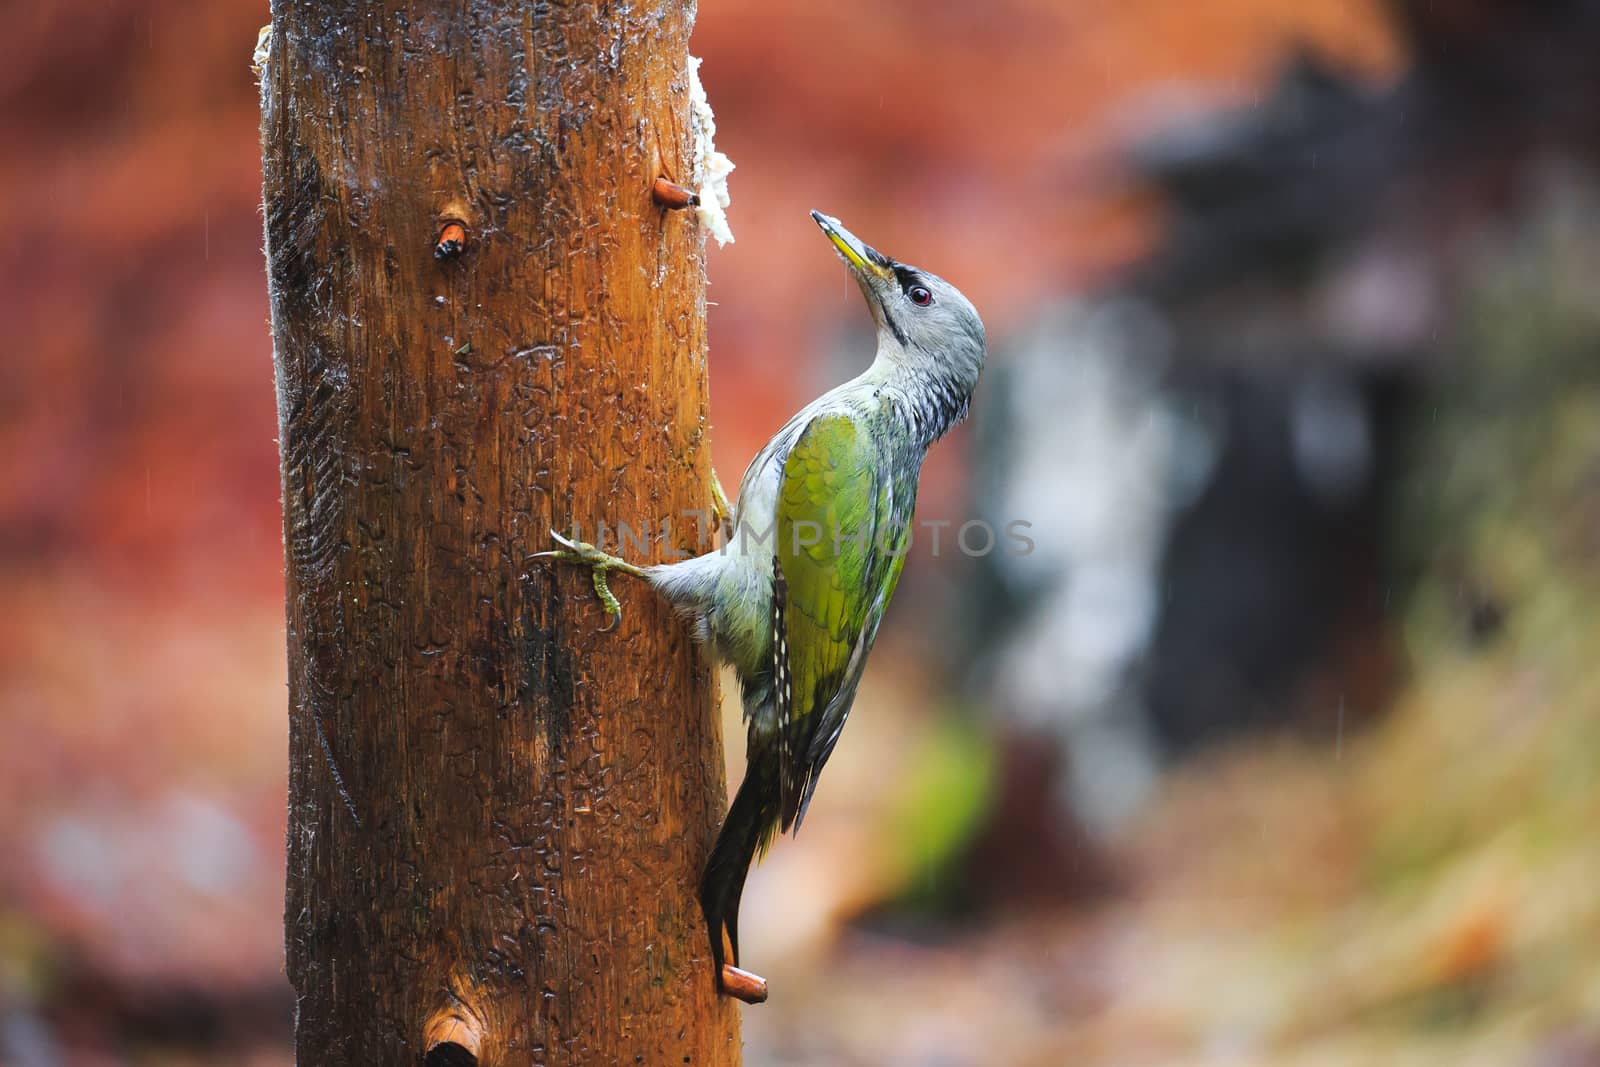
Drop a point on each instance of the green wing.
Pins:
(842, 529)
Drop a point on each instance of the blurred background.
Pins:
(1281, 747)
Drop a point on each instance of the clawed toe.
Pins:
(568, 550)
(599, 564)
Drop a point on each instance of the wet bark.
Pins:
(496, 813)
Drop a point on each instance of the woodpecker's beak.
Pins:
(866, 261)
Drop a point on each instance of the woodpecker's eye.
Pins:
(920, 296)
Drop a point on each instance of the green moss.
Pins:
(946, 791)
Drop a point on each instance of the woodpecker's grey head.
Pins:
(924, 322)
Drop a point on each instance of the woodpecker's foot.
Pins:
(742, 985)
(721, 510)
(600, 565)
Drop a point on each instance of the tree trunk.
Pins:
(497, 814)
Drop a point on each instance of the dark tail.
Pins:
(746, 831)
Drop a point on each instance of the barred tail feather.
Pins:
(745, 832)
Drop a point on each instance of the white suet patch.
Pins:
(711, 168)
(263, 51)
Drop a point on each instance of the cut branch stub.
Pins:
(743, 985)
(671, 195)
(452, 239)
(452, 1038)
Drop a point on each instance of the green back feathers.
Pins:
(842, 525)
